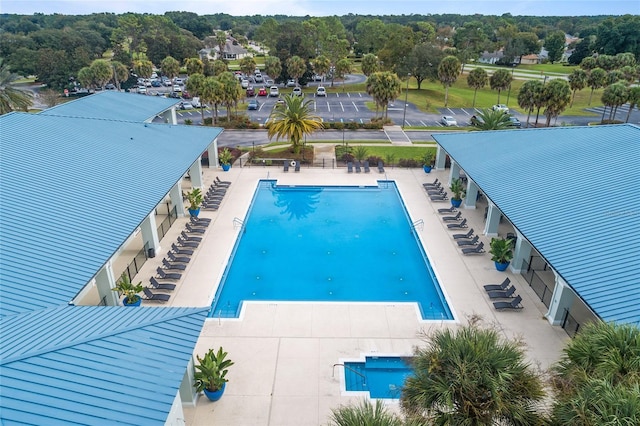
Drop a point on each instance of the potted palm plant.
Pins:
(211, 371)
(195, 201)
(458, 191)
(427, 161)
(225, 157)
(501, 252)
(130, 290)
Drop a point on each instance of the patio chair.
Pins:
(513, 304)
(186, 243)
(479, 249)
(193, 230)
(434, 183)
(380, 167)
(297, 166)
(358, 167)
(435, 191)
(210, 206)
(172, 266)
(168, 275)
(366, 166)
(463, 236)
(196, 224)
(458, 225)
(452, 218)
(216, 191)
(173, 258)
(285, 166)
(189, 237)
(494, 287)
(223, 182)
(441, 197)
(220, 186)
(502, 294)
(349, 167)
(178, 250)
(155, 297)
(449, 210)
(205, 221)
(471, 242)
(161, 286)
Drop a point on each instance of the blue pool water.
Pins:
(331, 244)
(382, 377)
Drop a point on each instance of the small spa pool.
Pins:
(383, 377)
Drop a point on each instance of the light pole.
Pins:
(406, 96)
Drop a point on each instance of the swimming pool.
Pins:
(381, 376)
(328, 244)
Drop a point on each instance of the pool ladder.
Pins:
(364, 378)
(237, 223)
(417, 223)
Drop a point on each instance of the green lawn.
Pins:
(548, 68)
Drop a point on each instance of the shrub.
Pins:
(374, 159)
(409, 163)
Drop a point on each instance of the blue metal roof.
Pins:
(72, 191)
(95, 365)
(572, 192)
(115, 106)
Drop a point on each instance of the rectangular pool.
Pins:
(328, 244)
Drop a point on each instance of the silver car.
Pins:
(448, 121)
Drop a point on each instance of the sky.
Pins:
(327, 7)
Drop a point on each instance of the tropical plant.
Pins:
(634, 100)
(293, 120)
(143, 67)
(194, 66)
(247, 65)
(448, 72)
(527, 95)
(321, 65)
(170, 67)
(501, 250)
(219, 66)
(102, 72)
(128, 289)
(211, 370)
(614, 96)
(120, 73)
(225, 157)
(597, 380)
(595, 80)
(384, 87)
(296, 67)
(557, 95)
(369, 64)
(212, 93)
(195, 198)
(195, 85)
(492, 120)
(477, 79)
(457, 188)
(577, 81)
(231, 90)
(428, 158)
(343, 67)
(360, 152)
(273, 66)
(364, 414)
(500, 80)
(472, 376)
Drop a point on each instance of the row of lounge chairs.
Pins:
(435, 191)
(214, 195)
(358, 166)
(504, 291)
(468, 242)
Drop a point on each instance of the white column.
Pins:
(174, 116)
(561, 300)
(213, 155)
(105, 282)
(521, 252)
(195, 171)
(176, 198)
(472, 195)
(150, 232)
(187, 391)
(454, 173)
(492, 221)
(441, 158)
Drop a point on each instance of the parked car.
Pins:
(142, 89)
(297, 91)
(269, 82)
(253, 104)
(156, 83)
(251, 91)
(177, 88)
(317, 77)
(291, 83)
(448, 121)
(262, 92)
(514, 122)
(274, 91)
(244, 83)
(258, 78)
(178, 80)
(475, 121)
(110, 86)
(501, 107)
(186, 105)
(321, 91)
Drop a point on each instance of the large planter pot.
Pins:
(214, 396)
(194, 213)
(125, 302)
(501, 266)
(456, 203)
(226, 167)
(427, 169)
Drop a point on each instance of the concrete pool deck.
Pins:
(284, 352)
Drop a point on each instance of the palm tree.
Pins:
(448, 72)
(384, 87)
(369, 64)
(247, 65)
(477, 79)
(321, 65)
(293, 120)
(595, 80)
(296, 67)
(120, 73)
(557, 95)
(613, 96)
(634, 100)
(195, 84)
(492, 120)
(231, 90)
(500, 80)
(472, 376)
(598, 377)
(273, 66)
(170, 67)
(528, 94)
(577, 81)
(364, 413)
(212, 93)
(194, 65)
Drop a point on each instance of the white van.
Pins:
(196, 102)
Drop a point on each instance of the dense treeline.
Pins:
(56, 47)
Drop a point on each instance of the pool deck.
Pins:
(284, 353)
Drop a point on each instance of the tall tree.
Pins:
(500, 80)
(102, 72)
(195, 86)
(11, 97)
(212, 92)
(422, 63)
(529, 95)
(231, 90)
(384, 87)
(120, 73)
(293, 120)
(343, 67)
(247, 65)
(634, 100)
(194, 66)
(143, 68)
(273, 66)
(577, 81)
(477, 79)
(588, 63)
(471, 376)
(170, 67)
(596, 80)
(613, 96)
(296, 67)
(221, 42)
(554, 43)
(557, 95)
(369, 64)
(321, 65)
(448, 72)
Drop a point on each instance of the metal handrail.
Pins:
(364, 378)
(416, 223)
